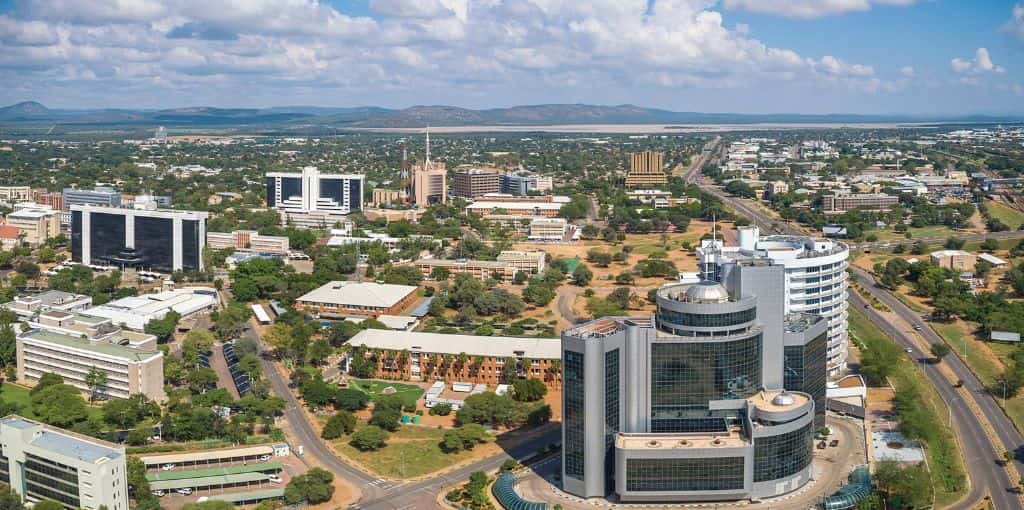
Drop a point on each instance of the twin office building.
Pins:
(714, 397)
(311, 191)
(160, 240)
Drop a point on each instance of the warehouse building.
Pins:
(358, 299)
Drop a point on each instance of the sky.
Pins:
(927, 57)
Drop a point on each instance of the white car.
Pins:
(167, 467)
(185, 490)
(274, 479)
(264, 458)
(157, 493)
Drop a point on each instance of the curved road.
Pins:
(981, 457)
(376, 493)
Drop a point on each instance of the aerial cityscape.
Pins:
(511, 254)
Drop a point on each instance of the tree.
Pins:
(582, 275)
(342, 423)
(439, 273)
(954, 243)
(199, 340)
(940, 350)
(59, 405)
(989, 244)
(212, 504)
(47, 504)
(441, 409)
(316, 392)
(387, 410)
(46, 380)
(740, 189)
(369, 438)
(95, 379)
(201, 379)
(350, 399)
(163, 329)
(539, 415)
(8, 344)
(313, 487)
(910, 485)
(528, 390)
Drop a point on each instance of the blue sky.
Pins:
(757, 56)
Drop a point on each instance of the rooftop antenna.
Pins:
(427, 162)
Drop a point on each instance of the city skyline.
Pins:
(838, 56)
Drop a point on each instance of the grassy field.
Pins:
(407, 392)
(915, 233)
(411, 451)
(944, 456)
(1005, 214)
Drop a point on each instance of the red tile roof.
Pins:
(9, 232)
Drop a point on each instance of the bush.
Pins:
(369, 438)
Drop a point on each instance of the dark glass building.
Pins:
(714, 397)
(157, 240)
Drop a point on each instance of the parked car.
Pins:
(833, 443)
(264, 458)
(821, 445)
(185, 490)
(167, 467)
(917, 327)
(158, 493)
(274, 479)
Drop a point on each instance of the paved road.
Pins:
(377, 493)
(1009, 234)
(690, 174)
(981, 456)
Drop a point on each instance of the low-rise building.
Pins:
(774, 188)
(37, 223)
(548, 229)
(15, 194)
(72, 345)
(479, 269)
(957, 260)
(10, 236)
(47, 463)
(487, 356)
(531, 262)
(526, 209)
(386, 196)
(136, 311)
(34, 304)
(247, 240)
(358, 299)
(52, 199)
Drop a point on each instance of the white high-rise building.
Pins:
(311, 191)
(816, 278)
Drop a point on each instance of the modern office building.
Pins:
(40, 462)
(311, 191)
(714, 397)
(529, 262)
(842, 202)
(73, 344)
(548, 229)
(816, 279)
(36, 223)
(358, 299)
(101, 195)
(160, 240)
(646, 169)
(524, 183)
(247, 240)
(476, 182)
(428, 183)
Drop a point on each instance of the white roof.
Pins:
(994, 260)
(397, 321)
(515, 205)
(359, 294)
(949, 253)
(473, 345)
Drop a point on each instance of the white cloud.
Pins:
(809, 9)
(1015, 25)
(267, 50)
(979, 65)
(907, 72)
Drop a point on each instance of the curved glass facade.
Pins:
(783, 455)
(686, 375)
(707, 320)
(708, 474)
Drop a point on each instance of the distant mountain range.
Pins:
(31, 112)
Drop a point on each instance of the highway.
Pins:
(981, 456)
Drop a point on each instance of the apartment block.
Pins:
(247, 240)
(72, 344)
(475, 182)
(52, 199)
(842, 202)
(36, 223)
(534, 357)
(15, 194)
(41, 462)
